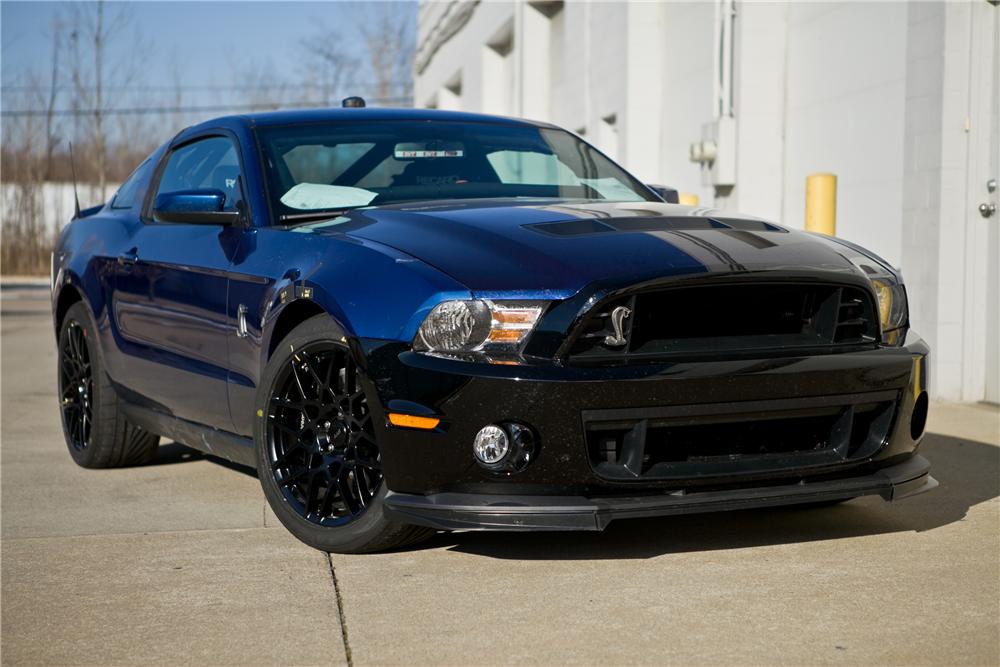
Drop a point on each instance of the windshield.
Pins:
(319, 167)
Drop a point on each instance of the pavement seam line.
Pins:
(340, 612)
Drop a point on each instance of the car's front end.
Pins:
(571, 348)
(743, 383)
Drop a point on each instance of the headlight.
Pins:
(891, 303)
(893, 313)
(475, 325)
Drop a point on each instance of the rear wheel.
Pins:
(317, 458)
(97, 433)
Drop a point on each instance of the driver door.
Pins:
(170, 292)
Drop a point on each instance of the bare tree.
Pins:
(330, 67)
(97, 30)
(382, 70)
(54, 81)
(26, 239)
(263, 88)
(389, 37)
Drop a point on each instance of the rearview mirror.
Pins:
(668, 195)
(200, 207)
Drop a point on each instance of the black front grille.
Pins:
(727, 318)
(738, 438)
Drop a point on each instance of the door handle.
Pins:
(987, 209)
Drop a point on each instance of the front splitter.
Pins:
(469, 511)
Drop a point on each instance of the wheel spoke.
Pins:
(330, 365)
(326, 507)
(311, 494)
(293, 433)
(295, 477)
(359, 482)
(321, 387)
(282, 458)
(369, 463)
(286, 403)
(352, 379)
(344, 484)
(298, 382)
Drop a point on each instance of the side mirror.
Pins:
(668, 195)
(197, 207)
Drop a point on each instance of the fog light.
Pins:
(505, 448)
(491, 445)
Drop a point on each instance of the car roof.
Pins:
(294, 116)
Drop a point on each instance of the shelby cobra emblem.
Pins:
(618, 317)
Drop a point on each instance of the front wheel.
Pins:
(317, 458)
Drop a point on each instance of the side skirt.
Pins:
(223, 444)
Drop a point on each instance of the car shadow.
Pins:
(174, 452)
(968, 472)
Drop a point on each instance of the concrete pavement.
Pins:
(180, 562)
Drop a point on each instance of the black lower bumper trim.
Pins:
(457, 511)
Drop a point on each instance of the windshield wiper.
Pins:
(315, 215)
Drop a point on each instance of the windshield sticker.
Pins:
(413, 154)
(317, 196)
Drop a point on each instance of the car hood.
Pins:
(494, 246)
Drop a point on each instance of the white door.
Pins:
(982, 317)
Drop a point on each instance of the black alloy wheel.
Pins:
(98, 435)
(320, 441)
(76, 386)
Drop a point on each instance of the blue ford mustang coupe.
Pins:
(411, 321)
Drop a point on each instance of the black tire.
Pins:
(317, 458)
(96, 431)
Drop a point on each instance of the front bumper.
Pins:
(455, 511)
(433, 478)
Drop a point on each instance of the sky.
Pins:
(202, 44)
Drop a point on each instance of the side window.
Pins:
(131, 190)
(210, 163)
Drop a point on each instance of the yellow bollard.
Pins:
(687, 199)
(821, 204)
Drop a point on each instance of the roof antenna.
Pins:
(72, 167)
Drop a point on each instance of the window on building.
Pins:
(450, 96)
(498, 72)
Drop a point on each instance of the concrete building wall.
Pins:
(877, 93)
(846, 74)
